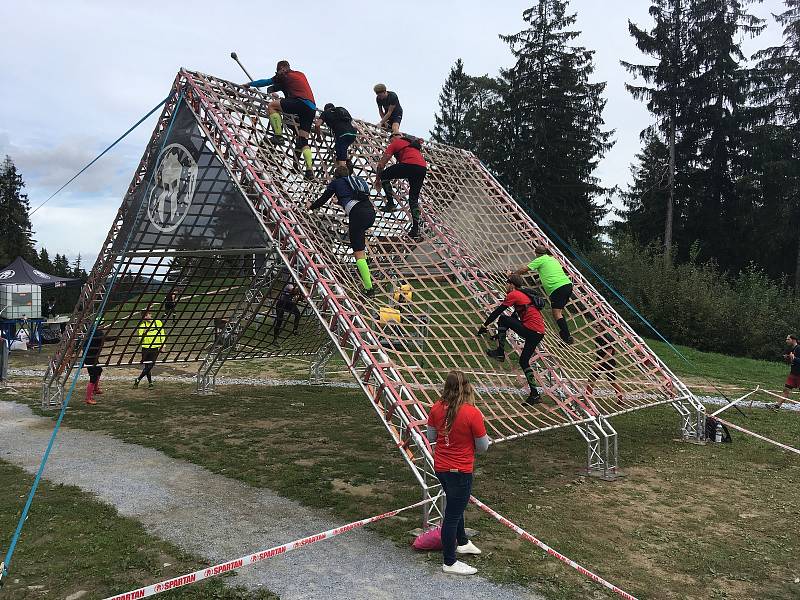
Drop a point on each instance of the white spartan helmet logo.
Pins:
(173, 188)
(7, 274)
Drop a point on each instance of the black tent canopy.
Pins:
(20, 272)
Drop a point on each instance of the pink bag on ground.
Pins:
(430, 539)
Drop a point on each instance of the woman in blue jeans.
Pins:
(458, 430)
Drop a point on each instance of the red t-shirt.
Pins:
(295, 85)
(456, 450)
(527, 312)
(404, 152)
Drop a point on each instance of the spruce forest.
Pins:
(710, 224)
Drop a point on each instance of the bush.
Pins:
(696, 304)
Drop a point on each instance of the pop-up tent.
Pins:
(21, 295)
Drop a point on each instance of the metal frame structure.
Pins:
(475, 232)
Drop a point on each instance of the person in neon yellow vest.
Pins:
(556, 284)
(151, 332)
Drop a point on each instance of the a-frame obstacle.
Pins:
(216, 213)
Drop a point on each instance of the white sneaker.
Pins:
(459, 568)
(468, 548)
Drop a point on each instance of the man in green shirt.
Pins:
(556, 284)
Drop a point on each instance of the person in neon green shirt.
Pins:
(151, 332)
(556, 284)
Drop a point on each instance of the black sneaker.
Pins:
(150, 386)
(497, 354)
(370, 293)
(390, 207)
(135, 383)
(309, 175)
(276, 139)
(533, 398)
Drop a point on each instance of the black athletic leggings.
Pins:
(94, 373)
(416, 177)
(361, 218)
(149, 356)
(531, 338)
(281, 308)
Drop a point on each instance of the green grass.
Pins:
(687, 521)
(720, 369)
(72, 542)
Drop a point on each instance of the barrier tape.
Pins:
(249, 559)
(524, 534)
(756, 435)
(733, 402)
(780, 397)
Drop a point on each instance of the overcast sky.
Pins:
(75, 75)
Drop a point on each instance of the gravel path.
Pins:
(219, 519)
(716, 400)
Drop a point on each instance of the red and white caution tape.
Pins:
(524, 534)
(733, 402)
(249, 559)
(756, 435)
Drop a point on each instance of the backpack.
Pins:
(340, 113)
(536, 299)
(413, 142)
(360, 188)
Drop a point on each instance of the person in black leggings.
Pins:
(410, 165)
(92, 358)
(352, 194)
(151, 332)
(286, 303)
(527, 322)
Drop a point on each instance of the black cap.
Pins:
(328, 106)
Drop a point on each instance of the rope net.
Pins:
(244, 231)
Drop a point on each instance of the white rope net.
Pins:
(473, 233)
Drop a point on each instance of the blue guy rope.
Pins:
(99, 156)
(23, 517)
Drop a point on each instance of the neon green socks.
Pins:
(276, 122)
(363, 270)
(307, 158)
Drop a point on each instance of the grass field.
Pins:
(686, 521)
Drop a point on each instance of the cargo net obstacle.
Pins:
(217, 215)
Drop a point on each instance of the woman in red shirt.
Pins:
(458, 430)
(527, 322)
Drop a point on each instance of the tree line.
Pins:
(16, 238)
(717, 176)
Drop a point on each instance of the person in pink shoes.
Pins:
(457, 429)
(92, 358)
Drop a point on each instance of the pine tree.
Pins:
(550, 124)
(645, 202)
(43, 263)
(717, 215)
(697, 93)
(16, 236)
(77, 270)
(667, 42)
(456, 109)
(776, 93)
(61, 266)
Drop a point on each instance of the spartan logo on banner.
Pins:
(7, 274)
(173, 188)
(40, 274)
